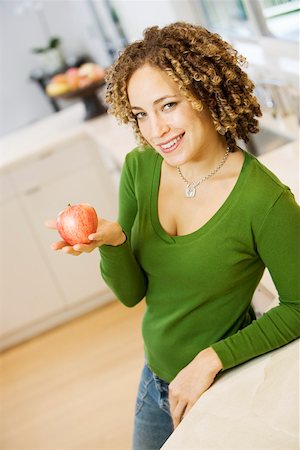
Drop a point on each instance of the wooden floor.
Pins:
(75, 386)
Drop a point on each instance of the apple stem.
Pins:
(69, 204)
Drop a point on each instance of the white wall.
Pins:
(21, 100)
(136, 15)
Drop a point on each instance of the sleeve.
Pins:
(118, 265)
(278, 245)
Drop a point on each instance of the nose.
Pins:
(159, 127)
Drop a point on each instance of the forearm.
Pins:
(276, 328)
(277, 246)
(122, 273)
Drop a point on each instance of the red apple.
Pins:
(76, 222)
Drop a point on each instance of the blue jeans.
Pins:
(153, 422)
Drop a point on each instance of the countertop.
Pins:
(34, 139)
(29, 141)
(253, 406)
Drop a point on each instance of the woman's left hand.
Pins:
(190, 383)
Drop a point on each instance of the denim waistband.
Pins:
(161, 385)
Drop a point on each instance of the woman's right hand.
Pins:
(108, 233)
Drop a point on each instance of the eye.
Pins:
(169, 105)
(139, 115)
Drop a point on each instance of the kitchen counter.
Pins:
(29, 142)
(34, 139)
(253, 406)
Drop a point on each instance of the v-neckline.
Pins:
(207, 225)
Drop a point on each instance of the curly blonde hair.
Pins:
(207, 70)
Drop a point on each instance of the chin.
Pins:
(179, 160)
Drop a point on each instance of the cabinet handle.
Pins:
(33, 190)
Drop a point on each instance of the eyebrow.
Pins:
(156, 101)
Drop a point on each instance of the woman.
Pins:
(199, 220)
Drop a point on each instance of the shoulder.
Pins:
(141, 154)
(262, 182)
(264, 193)
(140, 158)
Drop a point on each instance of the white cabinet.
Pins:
(27, 289)
(39, 283)
(77, 277)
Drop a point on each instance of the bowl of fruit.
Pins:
(80, 82)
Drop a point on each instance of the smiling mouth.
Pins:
(171, 145)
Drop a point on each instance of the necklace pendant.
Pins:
(190, 191)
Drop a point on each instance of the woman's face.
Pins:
(166, 118)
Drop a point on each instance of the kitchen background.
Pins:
(266, 31)
(54, 151)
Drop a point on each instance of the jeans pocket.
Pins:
(162, 388)
(165, 405)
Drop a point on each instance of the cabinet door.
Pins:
(77, 277)
(27, 289)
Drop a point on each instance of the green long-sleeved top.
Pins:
(198, 288)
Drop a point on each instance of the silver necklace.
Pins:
(190, 190)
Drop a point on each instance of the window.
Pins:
(223, 16)
(282, 18)
(250, 18)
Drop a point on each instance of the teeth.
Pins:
(171, 143)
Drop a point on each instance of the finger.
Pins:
(95, 237)
(70, 251)
(58, 245)
(172, 403)
(86, 248)
(187, 409)
(178, 413)
(50, 223)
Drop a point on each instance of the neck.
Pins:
(205, 161)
